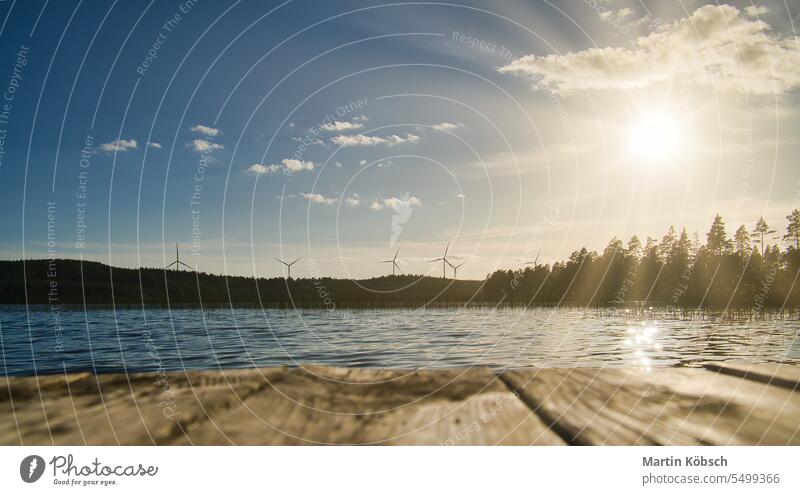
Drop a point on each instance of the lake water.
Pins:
(132, 340)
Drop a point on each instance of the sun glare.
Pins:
(655, 137)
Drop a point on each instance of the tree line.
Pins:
(75, 283)
(747, 270)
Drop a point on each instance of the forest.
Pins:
(679, 270)
(747, 270)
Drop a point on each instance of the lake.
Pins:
(104, 341)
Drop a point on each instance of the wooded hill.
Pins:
(743, 272)
(97, 283)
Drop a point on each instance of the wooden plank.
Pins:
(753, 413)
(497, 418)
(669, 406)
(581, 411)
(334, 406)
(138, 409)
(781, 375)
(328, 405)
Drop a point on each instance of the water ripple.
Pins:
(106, 341)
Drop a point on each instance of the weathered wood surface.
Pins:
(782, 375)
(666, 406)
(722, 404)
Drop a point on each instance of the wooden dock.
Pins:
(720, 404)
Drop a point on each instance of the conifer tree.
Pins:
(793, 229)
(716, 239)
(741, 240)
(762, 230)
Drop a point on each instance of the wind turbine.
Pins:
(455, 269)
(393, 261)
(289, 266)
(535, 262)
(444, 261)
(177, 263)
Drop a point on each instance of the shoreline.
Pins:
(634, 310)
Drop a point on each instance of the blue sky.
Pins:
(342, 131)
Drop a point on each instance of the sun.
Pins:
(655, 137)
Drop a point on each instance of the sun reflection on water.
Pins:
(642, 340)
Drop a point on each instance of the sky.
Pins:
(342, 132)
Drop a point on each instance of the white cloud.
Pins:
(306, 140)
(293, 165)
(364, 140)
(616, 16)
(287, 165)
(340, 126)
(338, 164)
(156, 146)
(624, 12)
(756, 10)
(362, 162)
(319, 198)
(119, 145)
(258, 168)
(208, 131)
(357, 140)
(395, 203)
(353, 200)
(715, 44)
(204, 146)
(446, 126)
(462, 196)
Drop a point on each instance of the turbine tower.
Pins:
(288, 266)
(393, 261)
(177, 263)
(444, 261)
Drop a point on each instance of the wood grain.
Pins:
(667, 406)
(781, 375)
(721, 404)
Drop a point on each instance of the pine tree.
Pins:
(667, 243)
(683, 248)
(717, 239)
(762, 230)
(677, 263)
(793, 229)
(635, 247)
(695, 248)
(741, 240)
